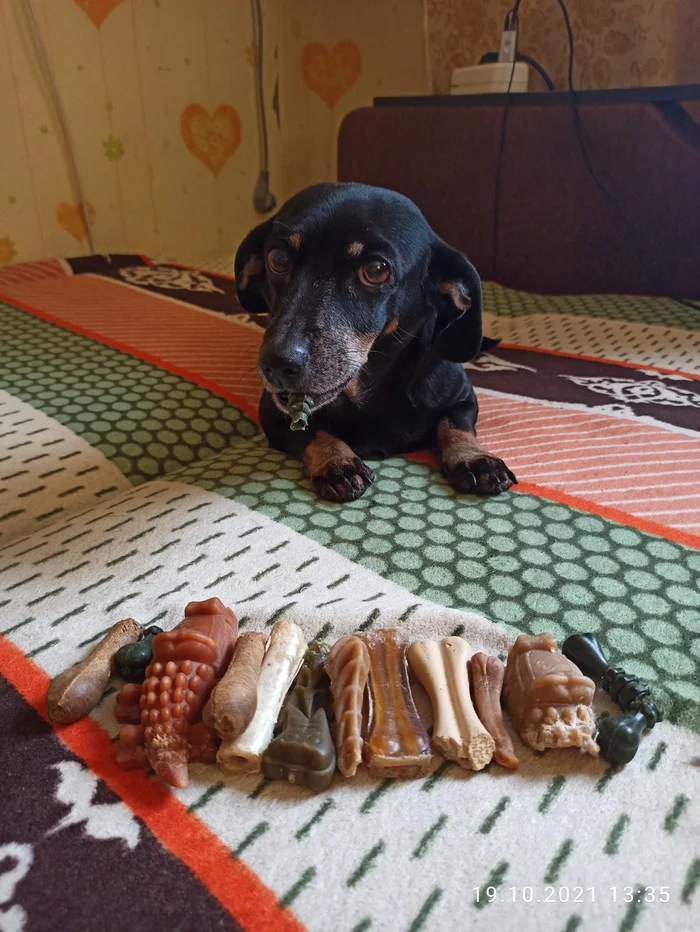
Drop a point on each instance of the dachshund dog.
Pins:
(370, 314)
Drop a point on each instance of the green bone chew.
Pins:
(300, 408)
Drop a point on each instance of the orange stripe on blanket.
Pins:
(252, 905)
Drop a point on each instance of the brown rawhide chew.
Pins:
(76, 691)
(398, 744)
(547, 697)
(234, 700)
(187, 662)
(441, 667)
(486, 674)
(348, 669)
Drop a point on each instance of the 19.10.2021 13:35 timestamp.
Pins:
(554, 894)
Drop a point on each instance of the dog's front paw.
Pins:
(343, 481)
(481, 475)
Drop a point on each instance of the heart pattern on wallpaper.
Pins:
(330, 72)
(71, 218)
(212, 138)
(97, 11)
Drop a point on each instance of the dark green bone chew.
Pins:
(300, 408)
(619, 737)
(302, 750)
(132, 659)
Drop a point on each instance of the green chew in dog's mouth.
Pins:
(300, 408)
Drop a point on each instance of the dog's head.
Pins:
(337, 269)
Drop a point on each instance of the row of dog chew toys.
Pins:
(255, 702)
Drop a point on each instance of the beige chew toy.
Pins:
(280, 665)
(458, 735)
(348, 668)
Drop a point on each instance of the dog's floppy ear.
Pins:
(249, 270)
(456, 295)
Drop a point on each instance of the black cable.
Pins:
(261, 96)
(576, 117)
(511, 23)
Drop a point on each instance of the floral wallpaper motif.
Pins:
(619, 43)
(159, 97)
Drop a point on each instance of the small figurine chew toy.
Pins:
(187, 662)
(234, 700)
(458, 735)
(486, 674)
(547, 697)
(398, 744)
(302, 751)
(348, 668)
(76, 691)
(300, 408)
(280, 665)
(618, 737)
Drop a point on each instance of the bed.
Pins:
(133, 478)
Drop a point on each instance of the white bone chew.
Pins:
(458, 735)
(280, 665)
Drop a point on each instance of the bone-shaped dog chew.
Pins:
(486, 673)
(235, 699)
(398, 745)
(441, 666)
(280, 665)
(348, 667)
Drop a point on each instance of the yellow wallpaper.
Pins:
(619, 43)
(159, 101)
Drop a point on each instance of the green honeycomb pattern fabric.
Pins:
(146, 421)
(506, 302)
(527, 563)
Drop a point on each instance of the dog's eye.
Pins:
(375, 272)
(278, 260)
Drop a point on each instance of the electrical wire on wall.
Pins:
(263, 199)
(26, 11)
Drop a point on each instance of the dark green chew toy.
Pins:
(300, 408)
(302, 750)
(132, 659)
(618, 737)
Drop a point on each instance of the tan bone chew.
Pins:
(398, 745)
(280, 665)
(76, 691)
(348, 668)
(486, 674)
(235, 698)
(458, 735)
(547, 697)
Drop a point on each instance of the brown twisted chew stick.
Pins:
(76, 691)
(458, 735)
(398, 744)
(235, 699)
(348, 667)
(486, 673)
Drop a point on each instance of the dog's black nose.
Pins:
(282, 367)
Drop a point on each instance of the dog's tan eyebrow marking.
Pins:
(355, 249)
(294, 240)
(391, 326)
(253, 267)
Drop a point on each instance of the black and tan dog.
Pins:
(371, 314)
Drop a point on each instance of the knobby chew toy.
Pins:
(441, 667)
(302, 750)
(618, 737)
(131, 660)
(280, 665)
(187, 662)
(486, 674)
(300, 408)
(76, 691)
(234, 700)
(398, 744)
(348, 668)
(547, 697)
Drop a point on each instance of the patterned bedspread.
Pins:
(133, 478)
